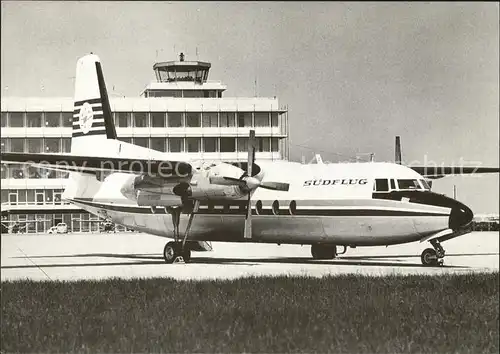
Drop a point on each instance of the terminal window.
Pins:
(242, 144)
(144, 142)
(176, 144)
(34, 119)
(67, 119)
(159, 144)
(175, 119)
(227, 144)
(244, 119)
(34, 145)
(193, 144)
(274, 119)
(52, 145)
(210, 144)
(122, 119)
(4, 119)
(16, 119)
(210, 120)
(227, 119)
(192, 119)
(157, 119)
(262, 119)
(140, 119)
(53, 119)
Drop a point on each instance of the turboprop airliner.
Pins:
(323, 205)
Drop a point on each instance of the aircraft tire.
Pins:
(186, 254)
(323, 251)
(170, 252)
(429, 257)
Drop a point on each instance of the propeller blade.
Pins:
(251, 152)
(248, 219)
(226, 181)
(276, 186)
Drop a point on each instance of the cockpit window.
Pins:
(408, 184)
(424, 184)
(381, 185)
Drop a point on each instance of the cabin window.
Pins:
(408, 184)
(381, 185)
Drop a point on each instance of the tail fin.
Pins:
(92, 124)
(92, 118)
(398, 158)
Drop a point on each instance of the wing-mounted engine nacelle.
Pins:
(207, 191)
(151, 191)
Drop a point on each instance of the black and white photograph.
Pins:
(249, 177)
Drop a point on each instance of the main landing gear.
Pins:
(433, 257)
(177, 251)
(321, 251)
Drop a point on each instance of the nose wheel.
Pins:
(433, 257)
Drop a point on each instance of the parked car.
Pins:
(60, 228)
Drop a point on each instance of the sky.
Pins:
(353, 75)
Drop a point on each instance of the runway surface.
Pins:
(130, 255)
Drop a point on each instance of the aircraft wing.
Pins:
(435, 172)
(91, 164)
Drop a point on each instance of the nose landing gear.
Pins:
(433, 257)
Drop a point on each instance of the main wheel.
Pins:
(186, 254)
(429, 257)
(170, 252)
(323, 251)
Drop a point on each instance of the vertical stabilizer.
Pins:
(93, 125)
(92, 119)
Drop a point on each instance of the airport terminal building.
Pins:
(182, 113)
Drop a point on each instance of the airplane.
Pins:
(325, 205)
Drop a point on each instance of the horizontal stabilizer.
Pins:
(435, 172)
(68, 162)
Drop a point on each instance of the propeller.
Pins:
(247, 183)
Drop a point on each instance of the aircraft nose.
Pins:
(460, 217)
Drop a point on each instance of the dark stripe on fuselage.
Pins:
(92, 132)
(94, 109)
(89, 101)
(241, 211)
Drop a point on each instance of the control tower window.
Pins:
(53, 119)
(34, 119)
(261, 119)
(227, 119)
(157, 119)
(140, 119)
(210, 120)
(227, 144)
(175, 119)
(244, 119)
(210, 144)
(192, 94)
(192, 119)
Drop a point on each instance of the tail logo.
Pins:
(86, 118)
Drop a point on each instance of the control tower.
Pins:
(183, 79)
